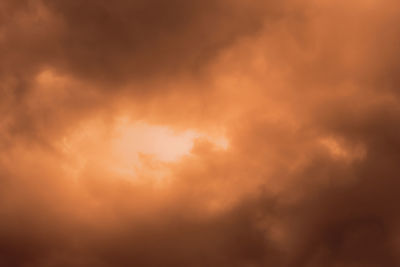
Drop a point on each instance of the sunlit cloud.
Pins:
(221, 133)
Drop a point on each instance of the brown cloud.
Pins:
(303, 92)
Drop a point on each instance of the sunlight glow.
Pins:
(131, 146)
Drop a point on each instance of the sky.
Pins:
(221, 133)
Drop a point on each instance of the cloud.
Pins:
(304, 94)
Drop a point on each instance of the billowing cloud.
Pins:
(199, 133)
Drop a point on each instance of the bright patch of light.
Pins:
(130, 147)
(158, 141)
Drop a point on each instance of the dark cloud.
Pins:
(128, 40)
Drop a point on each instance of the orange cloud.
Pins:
(199, 133)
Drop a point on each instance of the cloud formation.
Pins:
(304, 95)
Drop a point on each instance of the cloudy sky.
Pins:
(221, 133)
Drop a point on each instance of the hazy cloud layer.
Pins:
(303, 94)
